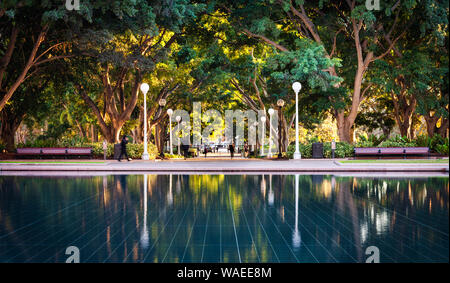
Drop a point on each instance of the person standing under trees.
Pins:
(123, 148)
(246, 150)
(231, 148)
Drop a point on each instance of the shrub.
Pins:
(442, 148)
(370, 141)
(398, 141)
(134, 150)
(343, 150)
(436, 143)
(40, 143)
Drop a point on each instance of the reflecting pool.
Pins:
(224, 218)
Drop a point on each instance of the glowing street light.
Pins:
(296, 87)
(170, 113)
(280, 104)
(178, 118)
(271, 112)
(144, 88)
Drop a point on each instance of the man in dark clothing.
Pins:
(231, 148)
(123, 148)
(185, 150)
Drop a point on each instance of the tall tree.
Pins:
(125, 54)
(346, 29)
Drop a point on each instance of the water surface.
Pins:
(223, 218)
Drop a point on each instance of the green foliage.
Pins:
(167, 155)
(306, 64)
(436, 143)
(369, 141)
(398, 141)
(343, 150)
(442, 148)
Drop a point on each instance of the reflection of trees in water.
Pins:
(345, 202)
(339, 212)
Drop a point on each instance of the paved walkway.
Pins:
(222, 165)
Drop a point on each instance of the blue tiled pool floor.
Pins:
(223, 218)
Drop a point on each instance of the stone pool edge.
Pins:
(229, 167)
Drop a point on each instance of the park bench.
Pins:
(79, 151)
(391, 151)
(28, 152)
(54, 151)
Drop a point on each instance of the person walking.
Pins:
(123, 148)
(105, 149)
(246, 154)
(231, 148)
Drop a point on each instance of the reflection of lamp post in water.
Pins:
(296, 239)
(170, 194)
(271, 195)
(263, 186)
(144, 235)
(178, 184)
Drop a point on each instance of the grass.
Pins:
(417, 161)
(52, 162)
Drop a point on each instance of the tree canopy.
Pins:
(77, 73)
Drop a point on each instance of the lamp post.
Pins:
(178, 118)
(263, 120)
(271, 112)
(170, 113)
(296, 87)
(162, 102)
(255, 147)
(280, 104)
(144, 88)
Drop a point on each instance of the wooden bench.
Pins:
(391, 151)
(28, 152)
(79, 151)
(54, 151)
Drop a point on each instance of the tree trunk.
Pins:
(404, 108)
(8, 129)
(431, 122)
(94, 133)
(443, 130)
(159, 138)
